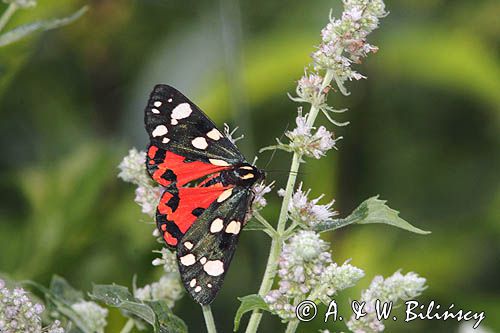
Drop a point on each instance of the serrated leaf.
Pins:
(166, 321)
(20, 32)
(111, 294)
(372, 210)
(62, 305)
(120, 297)
(248, 303)
(62, 289)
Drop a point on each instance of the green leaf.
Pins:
(20, 32)
(249, 303)
(111, 294)
(372, 210)
(167, 322)
(62, 295)
(120, 297)
(60, 288)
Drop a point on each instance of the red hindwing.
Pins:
(166, 167)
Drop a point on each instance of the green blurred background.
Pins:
(424, 135)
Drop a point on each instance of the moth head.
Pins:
(248, 174)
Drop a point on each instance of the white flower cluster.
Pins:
(308, 213)
(302, 261)
(133, 170)
(395, 288)
(344, 39)
(309, 89)
(168, 260)
(306, 143)
(18, 313)
(169, 288)
(260, 190)
(22, 3)
(306, 270)
(93, 315)
(343, 43)
(148, 197)
(336, 278)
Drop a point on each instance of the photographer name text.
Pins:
(413, 310)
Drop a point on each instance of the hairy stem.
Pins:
(292, 326)
(264, 222)
(209, 318)
(128, 326)
(267, 282)
(272, 261)
(4, 19)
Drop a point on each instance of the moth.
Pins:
(208, 189)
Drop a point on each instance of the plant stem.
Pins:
(264, 222)
(292, 178)
(274, 253)
(128, 326)
(267, 282)
(292, 326)
(209, 318)
(4, 19)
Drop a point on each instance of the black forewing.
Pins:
(212, 246)
(173, 122)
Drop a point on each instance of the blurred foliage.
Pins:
(423, 134)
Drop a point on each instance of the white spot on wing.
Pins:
(181, 111)
(169, 100)
(216, 225)
(209, 285)
(214, 267)
(155, 111)
(203, 260)
(174, 122)
(200, 143)
(188, 245)
(165, 140)
(197, 289)
(157, 104)
(192, 283)
(160, 130)
(218, 162)
(214, 134)
(188, 259)
(234, 227)
(246, 167)
(224, 195)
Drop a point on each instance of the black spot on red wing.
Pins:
(173, 203)
(160, 155)
(169, 175)
(198, 211)
(167, 226)
(173, 229)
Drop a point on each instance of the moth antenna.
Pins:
(274, 150)
(286, 171)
